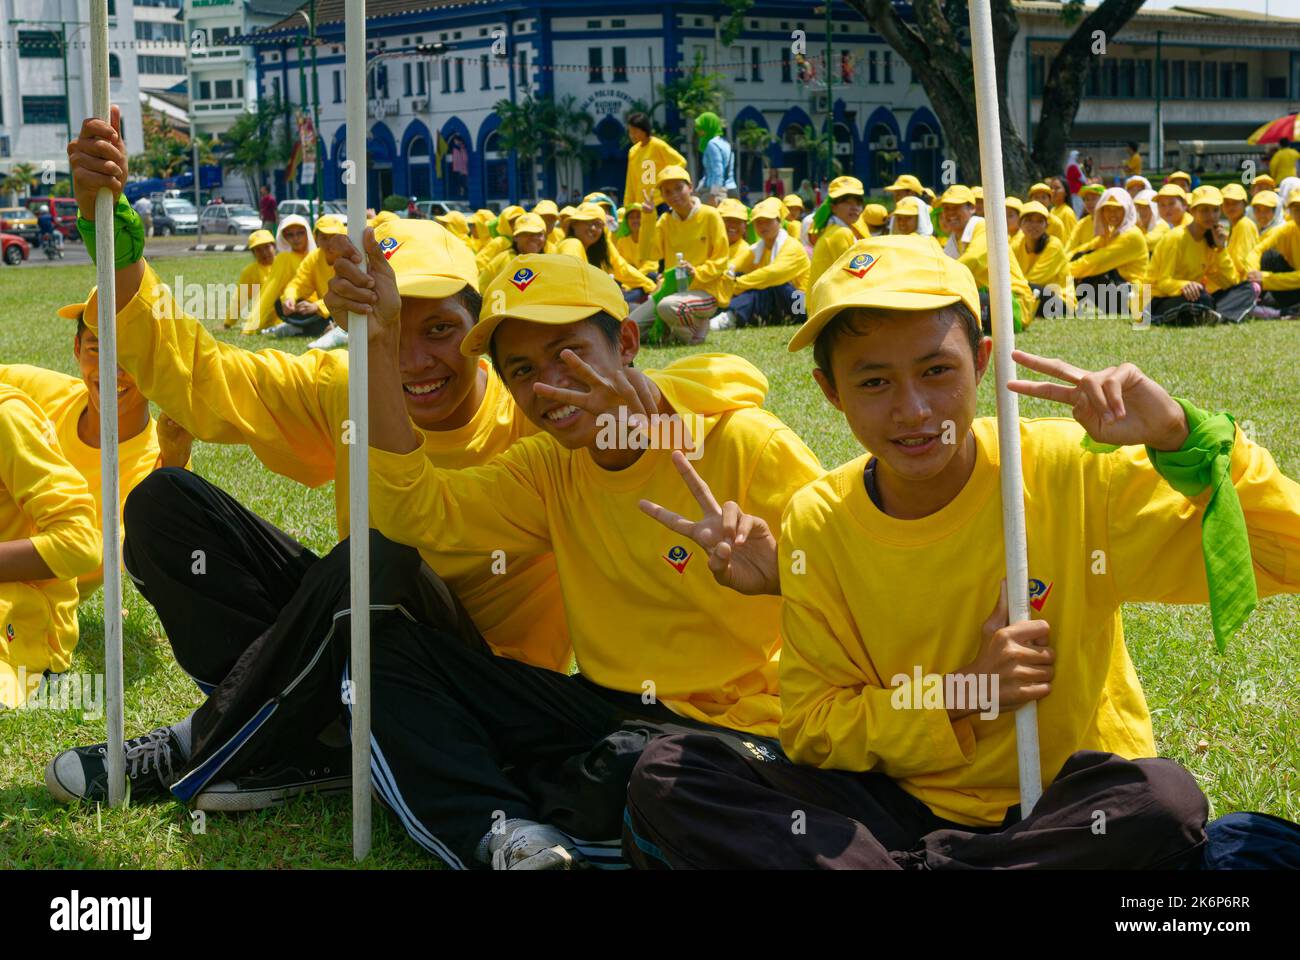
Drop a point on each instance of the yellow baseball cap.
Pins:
(429, 260)
(892, 273)
(1265, 181)
(75, 311)
(1032, 207)
(259, 237)
(543, 288)
(1234, 191)
(506, 219)
(567, 211)
(1143, 199)
(330, 225)
(1265, 198)
(977, 192)
(1173, 190)
(909, 207)
(454, 221)
(874, 215)
(793, 200)
(905, 182)
(1016, 204)
(769, 209)
(1040, 187)
(546, 208)
(587, 211)
(527, 223)
(733, 209)
(1206, 195)
(1134, 179)
(670, 173)
(483, 215)
(1111, 201)
(383, 216)
(958, 193)
(846, 187)
(1179, 175)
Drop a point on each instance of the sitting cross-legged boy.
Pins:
(897, 749)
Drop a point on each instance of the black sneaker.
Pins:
(320, 769)
(82, 772)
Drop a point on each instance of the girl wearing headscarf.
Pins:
(1152, 226)
(589, 241)
(1115, 256)
(293, 241)
(719, 177)
(1286, 191)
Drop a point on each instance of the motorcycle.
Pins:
(52, 244)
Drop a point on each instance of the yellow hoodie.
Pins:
(62, 399)
(43, 499)
(644, 612)
(701, 239)
(290, 410)
(879, 598)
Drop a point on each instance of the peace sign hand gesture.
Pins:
(741, 548)
(1119, 405)
(625, 387)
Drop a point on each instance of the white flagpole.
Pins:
(108, 459)
(358, 452)
(1013, 501)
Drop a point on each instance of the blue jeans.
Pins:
(768, 307)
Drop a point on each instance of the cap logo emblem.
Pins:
(522, 278)
(860, 264)
(388, 246)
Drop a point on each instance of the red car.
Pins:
(15, 248)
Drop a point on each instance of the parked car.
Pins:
(304, 208)
(231, 218)
(64, 210)
(436, 208)
(15, 248)
(174, 216)
(19, 220)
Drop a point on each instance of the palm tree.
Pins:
(566, 130)
(20, 179)
(522, 133)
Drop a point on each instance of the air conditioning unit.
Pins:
(820, 103)
(843, 149)
(930, 141)
(887, 142)
(420, 104)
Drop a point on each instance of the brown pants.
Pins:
(702, 802)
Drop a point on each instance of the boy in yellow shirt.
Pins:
(767, 278)
(900, 675)
(48, 539)
(1193, 279)
(646, 159)
(241, 600)
(968, 245)
(657, 641)
(261, 244)
(1275, 262)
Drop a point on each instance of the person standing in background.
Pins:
(267, 207)
(718, 181)
(144, 207)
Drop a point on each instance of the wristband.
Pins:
(128, 235)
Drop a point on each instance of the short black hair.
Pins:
(81, 325)
(471, 300)
(1284, 142)
(639, 120)
(607, 324)
(850, 323)
(1132, 145)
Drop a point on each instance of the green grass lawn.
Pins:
(1231, 719)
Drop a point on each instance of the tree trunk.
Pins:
(1063, 89)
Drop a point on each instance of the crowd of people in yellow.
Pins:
(568, 670)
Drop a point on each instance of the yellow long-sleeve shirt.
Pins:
(629, 248)
(1182, 259)
(645, 614)
(1156, 234)
(1050, 267)
(1080, 234)
(290, 410)
(879, 598)
(834, 239)
(43, 499)
(1126, 253)
(251, 280)
(644, 161)
(1242, 240)
(1067, 218)
(62, 399)
(701, 239)
(494, 265)
(759, 270)
(629, 276)
(976, 259)
(1286, 241)
(491, 249)
(283, 268)
(311, 281)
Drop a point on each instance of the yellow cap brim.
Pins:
(480, 335)
(72, 311)
(430, 287)
(884, 300)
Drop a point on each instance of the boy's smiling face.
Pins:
(898, 378)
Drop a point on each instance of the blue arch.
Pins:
(919, 116)
(881, 116)
(752, 113)
(455, 126)
(402, 180)
(333, 188)
(793, 115)
(380, 144)
(478, 171)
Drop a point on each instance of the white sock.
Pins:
(181, 731)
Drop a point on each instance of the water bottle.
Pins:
(682, 276)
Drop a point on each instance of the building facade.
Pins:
(433, 129)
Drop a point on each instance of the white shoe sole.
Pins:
(226, 797)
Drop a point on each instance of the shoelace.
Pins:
(153, 748)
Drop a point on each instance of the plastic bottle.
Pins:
(681, 272)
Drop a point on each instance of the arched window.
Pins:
(114, 67)
(418, 171)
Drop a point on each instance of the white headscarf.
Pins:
(1285, 190)
(1149, 197)
(282, 245)
(1073, 161)
(1130, 212)
(1146, 184)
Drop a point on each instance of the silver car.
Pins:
(303, 208)
(231, 218)
(174, 216)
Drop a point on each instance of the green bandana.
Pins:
(128, 235)
(822, 215)
(1205, 461)
(708, 126)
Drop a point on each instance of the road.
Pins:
(74, 252)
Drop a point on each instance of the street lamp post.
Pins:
(310, 17)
